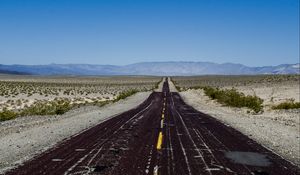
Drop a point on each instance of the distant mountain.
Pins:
(12, 72)
(150, 68)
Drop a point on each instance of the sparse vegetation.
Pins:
(125, 94)
(16, 92)
(27, 95)
(7, 115)
(290, 104)
(231, 97)
(251, 85)
(101, 103)
(184, 83)
(157, 84)
(56, 107)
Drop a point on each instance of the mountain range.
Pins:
(150, 68)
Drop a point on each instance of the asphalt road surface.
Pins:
(161, 136)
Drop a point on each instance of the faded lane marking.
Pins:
(79, 150)
(57, 160)
(155, 171)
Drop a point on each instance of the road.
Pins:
(161, 136)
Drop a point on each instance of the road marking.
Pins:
(149, 161)
(184, 153)
(159, 141)
(171, 149)
(213, 169)
(79, 150)
(180, 142)
(103, 141)
(57, 160)
(193, 142)
(155, 171)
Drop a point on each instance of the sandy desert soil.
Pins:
(172, 86)
(160, 85)
(24, 137)
(273, 94)
(17, 92)
(278, 130)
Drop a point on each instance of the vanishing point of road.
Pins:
(162, 136)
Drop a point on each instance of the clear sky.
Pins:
(250, 32)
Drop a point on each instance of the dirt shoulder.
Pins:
(25, 137)
(276, 130)
(160, 85)
(172, 86)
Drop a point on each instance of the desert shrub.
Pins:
(7, 115)
(287, 105)
(125, 94)
(101, 103)
(179, 89)
(231, 97)
(154, 87)
(233, 80)
(48, 108)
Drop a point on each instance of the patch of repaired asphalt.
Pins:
(248, 158)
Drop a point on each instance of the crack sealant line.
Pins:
(101, 143)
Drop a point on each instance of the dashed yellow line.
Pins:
(159, 141)
(160, 135)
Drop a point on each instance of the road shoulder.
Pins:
(26, 137)
(278, 136)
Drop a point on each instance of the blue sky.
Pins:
(250, 32)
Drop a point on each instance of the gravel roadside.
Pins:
(277, 131)
(25, 137)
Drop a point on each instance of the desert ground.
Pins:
(18, 92)
(25, 137)
(277, 130)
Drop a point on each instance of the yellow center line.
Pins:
(159, 141)
(160, 135)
